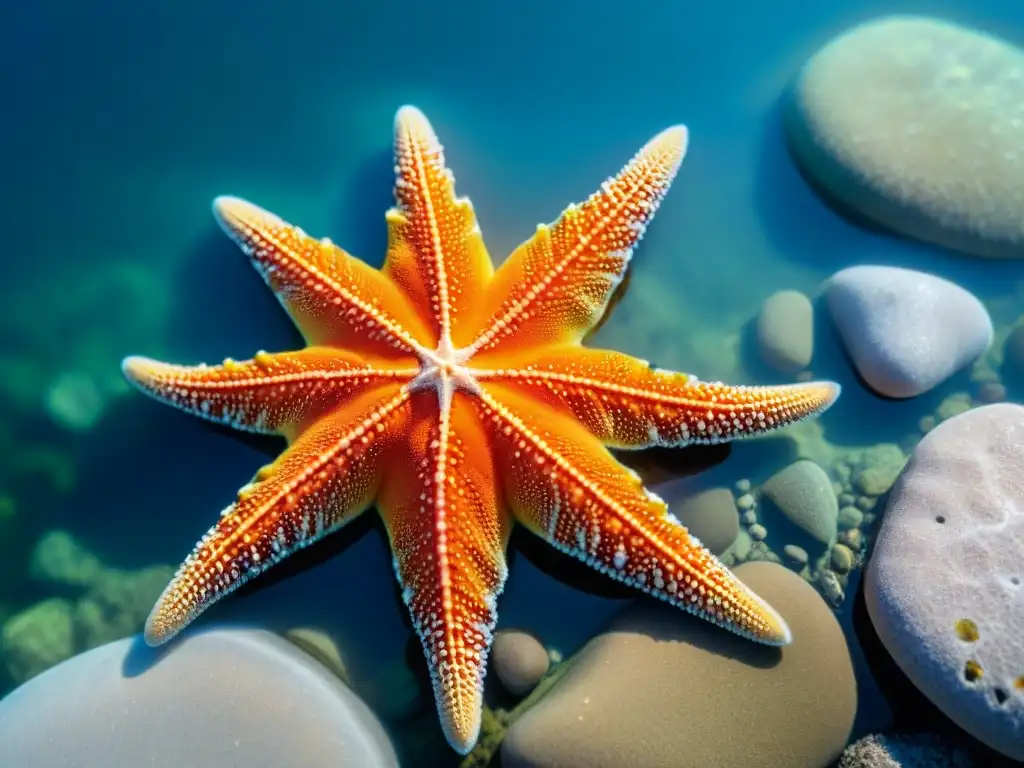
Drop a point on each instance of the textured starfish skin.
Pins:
(457, 399)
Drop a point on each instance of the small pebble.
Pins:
(831, 588)
(746, 501)
(991, 392)
(797, 554)
(757, 532)
(743, 486)
(842, 558)
(926, 424)
(847, 500)
(867, 503)
(850, 517)
(520, 660)
(749, 517)
(852, 538)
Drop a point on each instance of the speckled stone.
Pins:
(213, 699)
(951, 548)
(745, 502)
(905, 751)
(757, 532)
(658, 689)
(931, 145)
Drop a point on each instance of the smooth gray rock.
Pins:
(906, 331)
(785, 331)
(220, 698)
(799, 506)
(945, 584)
(918, 124)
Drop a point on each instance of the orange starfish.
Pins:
(458, 398)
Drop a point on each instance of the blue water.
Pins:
(123, 120)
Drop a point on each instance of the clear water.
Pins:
(124, 119)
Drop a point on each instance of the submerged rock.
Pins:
(904, 751)
(59, 558)
(36, 639)
(785, 331)
(906, 331)
(215, 698)
(945, 584)
(660, 688)
(800, 507)
(710, 514)
(931, 145)
(520, 660)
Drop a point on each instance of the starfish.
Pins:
(457, 398)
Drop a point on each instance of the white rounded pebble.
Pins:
(918, 124)
(906, 331)
(945, 585)
(219, 697)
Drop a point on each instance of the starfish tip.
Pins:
(778, 633)
(675, 140)
(833, 390)
(134, 367)
(409, 115)
(462, 739)
(235, 214)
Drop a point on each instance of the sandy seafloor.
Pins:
(123, 121)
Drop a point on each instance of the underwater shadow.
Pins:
(806, 222)
(666, 624)
(141, 657)
(226, 308)
(792, 216)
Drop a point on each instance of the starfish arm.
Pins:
(556, 286)
(435, 249)
(567, 488)
(270, 394)
(448, 533)
(333, 297)
(327, 477)
(627, 404)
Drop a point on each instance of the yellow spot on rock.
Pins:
(967, 630)
(973, 671)
(1019, 683)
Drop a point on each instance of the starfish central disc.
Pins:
(444, 370)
